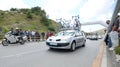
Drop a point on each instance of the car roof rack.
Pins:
(75, 28)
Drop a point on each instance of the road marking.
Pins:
(98, 60)
(7, 56)
(20, 54)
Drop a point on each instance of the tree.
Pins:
(36, 10)
(24, 10)
(13, 9)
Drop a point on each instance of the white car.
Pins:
(94, 37)
(100, 37)
(69, 39)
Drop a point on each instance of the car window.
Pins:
(77, 34)
(65, 33)
(80, 33)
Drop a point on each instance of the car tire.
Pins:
(73, 46)
(83, 44)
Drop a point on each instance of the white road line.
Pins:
(7, 56)
(20, 54)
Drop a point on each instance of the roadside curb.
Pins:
(98, 60)
(104, 58)
(112, 59)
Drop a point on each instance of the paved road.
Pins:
(37, 54)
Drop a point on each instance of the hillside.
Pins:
(26, 19)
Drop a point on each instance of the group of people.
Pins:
(31, 35)
(113, 37)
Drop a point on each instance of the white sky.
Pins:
(88, 10)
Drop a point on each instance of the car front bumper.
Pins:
(59, 45)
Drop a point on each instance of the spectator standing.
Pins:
(114, 33)
(37, 36)
(43, 35)
(33, 35)
(47, 35)
(107, 38)
(28, 34)
(118, 27)
(50, 34)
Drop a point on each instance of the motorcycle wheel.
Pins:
(5, 43)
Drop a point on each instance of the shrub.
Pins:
(117, 50)
(29, 15)
(51, 28)
(44, 21)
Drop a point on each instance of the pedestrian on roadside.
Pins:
(114, 33)
(37, 36)
(50, 34)
(107, 39)
(28, 34)
(33, 35)
(47, 35)
(43, 35)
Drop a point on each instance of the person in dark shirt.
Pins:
(43, 35)
(116, 24)
(16, 33)
(21, 34)
(107, 36)
(37, 36)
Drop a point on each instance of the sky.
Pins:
(88, 10)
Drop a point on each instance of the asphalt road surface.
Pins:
(37, 54)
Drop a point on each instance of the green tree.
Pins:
(36, 10)
(25, 11)
(13, 9)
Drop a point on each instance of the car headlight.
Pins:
(66, 40)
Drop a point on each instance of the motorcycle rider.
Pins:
(18, 32)
(13, 36)
(21, 34)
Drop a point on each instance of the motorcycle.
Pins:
(12, 39)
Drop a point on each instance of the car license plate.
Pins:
(53, 43)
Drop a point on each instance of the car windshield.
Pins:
(65, 33)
